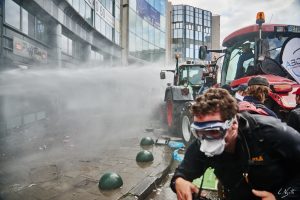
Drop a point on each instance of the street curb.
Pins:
(148, 184)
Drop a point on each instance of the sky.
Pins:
(236, 14)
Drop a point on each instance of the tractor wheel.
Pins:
(185, 126)
(172, 114)
(169, 110)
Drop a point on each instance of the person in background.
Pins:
(228, 88)
(294, 116)
(255, 157)
(246, 55)
(240, 92)
(257, 92)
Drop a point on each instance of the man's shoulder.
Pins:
(296, 110)
(252, 107)
(260, 120)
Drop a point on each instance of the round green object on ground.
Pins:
(146, 141)
(144, 156)
(110, 181)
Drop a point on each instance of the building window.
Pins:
(147, 37)
(77, 46)
(40, 31)
(139, 44)
(31, 25)
(97, 22)
(108, 31)
(81, 7)
(145, 46)
(132, 21)
(12, 14)
(25, 21)
(162, 40)
(145, 30)
(132, 4)
(117, 37)
(139, 26)
(88, 14)
(157, 35)
(109, 6)
(102, 26)
(151, 34)
(117, 12)
(76, 5)
(8, 43)
(96, 56)
(67, 45)
(132, 43)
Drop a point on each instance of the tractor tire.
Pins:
(186, 119)
(172, 113)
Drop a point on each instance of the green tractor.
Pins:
(190, 79)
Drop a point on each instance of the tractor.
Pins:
(189, 80)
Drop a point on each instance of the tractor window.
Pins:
(232, 65)
(272, 47)
(184, 77)
(191, 75)
(195, 75)
(241, 61)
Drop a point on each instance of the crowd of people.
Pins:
(254, 154)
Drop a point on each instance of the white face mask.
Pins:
(212, 147)
(238, 96)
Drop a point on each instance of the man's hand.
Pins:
(264, 195)
(184, 189)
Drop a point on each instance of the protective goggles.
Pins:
(211, 130)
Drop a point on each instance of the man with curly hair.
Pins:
(253, 156)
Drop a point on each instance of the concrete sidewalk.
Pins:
(78, 179)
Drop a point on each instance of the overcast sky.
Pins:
(236, 14)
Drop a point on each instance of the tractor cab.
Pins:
(243, 58)
(188, 76)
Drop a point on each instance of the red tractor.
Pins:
(273, 52)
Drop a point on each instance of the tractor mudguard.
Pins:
(180, 93)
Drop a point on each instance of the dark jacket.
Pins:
(294, 118)
(267, 157)
(253, 100)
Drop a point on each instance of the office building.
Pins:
(146, 33)
(191, 27)
(38, 34)
(54, 33)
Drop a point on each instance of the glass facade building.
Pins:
(68, 32)
(191, 28)
(20, 19)
(103, 15)
(147, 29)
(50, 34)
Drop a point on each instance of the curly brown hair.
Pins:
(260, 92)
(215, 100)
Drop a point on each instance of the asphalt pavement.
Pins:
(73, 177)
